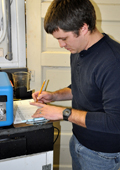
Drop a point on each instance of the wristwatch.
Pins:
(66, 114)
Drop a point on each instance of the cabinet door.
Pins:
(15, 44)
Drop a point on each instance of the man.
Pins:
(94, 89)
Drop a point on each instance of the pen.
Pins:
(41, 88)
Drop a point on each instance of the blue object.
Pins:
(6, 100)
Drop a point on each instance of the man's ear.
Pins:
(84, 30)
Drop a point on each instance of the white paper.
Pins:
(23, 111)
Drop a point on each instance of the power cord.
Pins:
(57, 135)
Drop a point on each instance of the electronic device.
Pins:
(6, 100)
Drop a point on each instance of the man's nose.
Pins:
(61, 43)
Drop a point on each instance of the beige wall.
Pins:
(33, 21)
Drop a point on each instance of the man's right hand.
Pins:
(44, 97)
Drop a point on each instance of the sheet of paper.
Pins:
(23, 111)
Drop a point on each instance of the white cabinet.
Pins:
(37, 161)
(17, 40)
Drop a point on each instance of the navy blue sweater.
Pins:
(95, 84)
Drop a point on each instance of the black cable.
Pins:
(57, 135)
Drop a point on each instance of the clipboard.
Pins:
(23, 112)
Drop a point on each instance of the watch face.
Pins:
(67, 112)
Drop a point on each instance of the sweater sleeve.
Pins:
(109, 119)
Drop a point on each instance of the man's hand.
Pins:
(44, 97)
(59, 95)
(48, 112)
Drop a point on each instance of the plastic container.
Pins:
(21, 85)
(21, 79)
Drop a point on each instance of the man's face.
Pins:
(70, 41)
